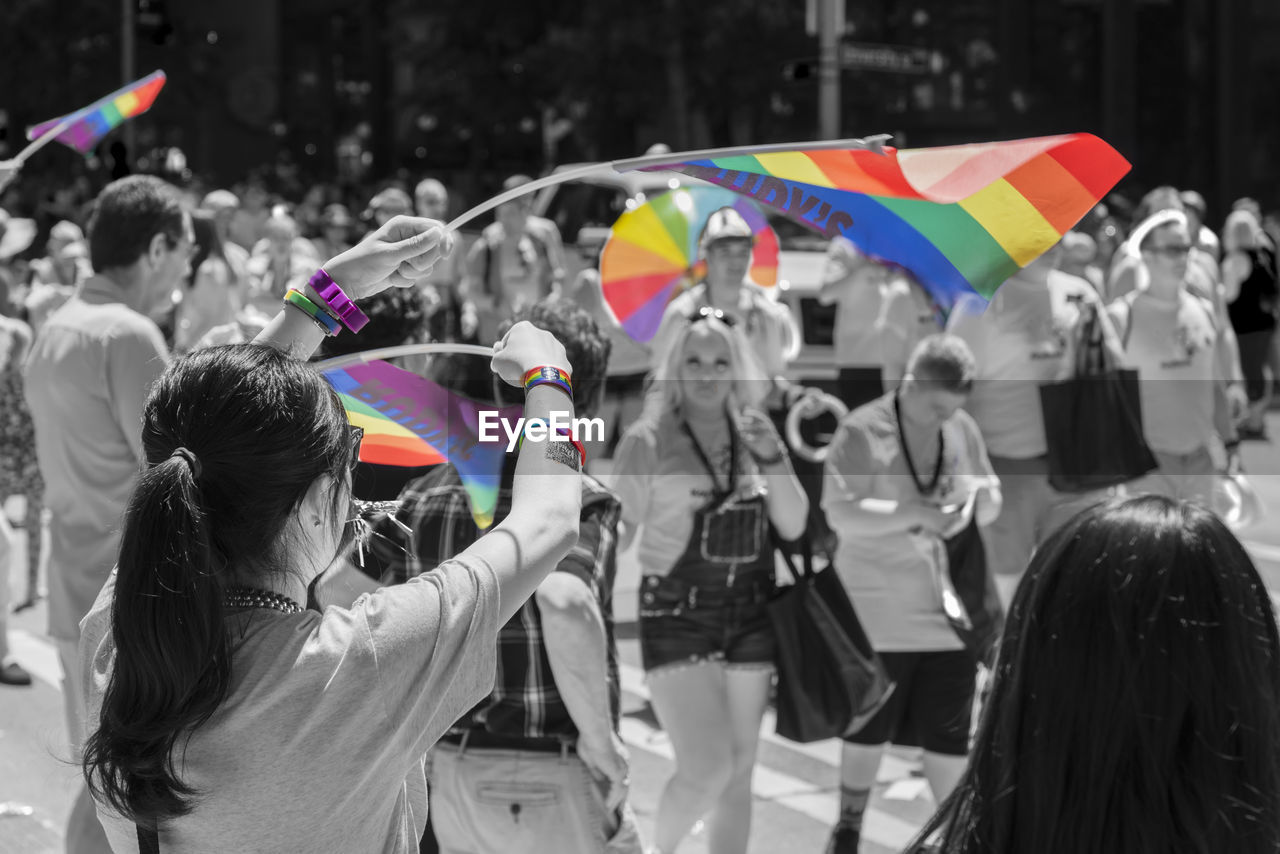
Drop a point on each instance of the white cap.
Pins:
(726, 224)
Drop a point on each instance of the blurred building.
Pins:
(346, 89)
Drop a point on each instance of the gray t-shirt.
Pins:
(320, 741)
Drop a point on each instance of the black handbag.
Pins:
(1093, 421)
(830, 680)
(983, 618)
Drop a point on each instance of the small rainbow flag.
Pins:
(410, 421)
(98, 119)
(962, 218)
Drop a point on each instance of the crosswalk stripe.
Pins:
(38, 655)
(819, 803)
(827, 752)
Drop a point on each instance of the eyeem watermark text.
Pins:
(558, 428)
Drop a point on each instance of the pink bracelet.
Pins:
(338, 302)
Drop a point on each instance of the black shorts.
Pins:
(681, 624)
(932, 702)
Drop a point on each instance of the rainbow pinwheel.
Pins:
(652, 253)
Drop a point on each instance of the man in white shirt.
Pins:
(87, 379)
(1023, 340)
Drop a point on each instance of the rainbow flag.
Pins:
(410, 421)
(962, 218)
(98, 119)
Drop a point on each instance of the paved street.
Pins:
(795, 785)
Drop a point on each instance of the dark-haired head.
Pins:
(128, 217)
(208, 243)
(1136, 701)
(264, 442)
(396, 316)
(586, 346)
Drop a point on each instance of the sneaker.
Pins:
(844, 840)
(13, 674)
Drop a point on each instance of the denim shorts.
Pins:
(684, 623)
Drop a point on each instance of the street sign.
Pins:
(896, 59)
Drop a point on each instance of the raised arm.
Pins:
(396, 255)
(546, 495)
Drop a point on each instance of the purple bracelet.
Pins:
(338, 302)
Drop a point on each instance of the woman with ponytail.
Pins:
(223, 714)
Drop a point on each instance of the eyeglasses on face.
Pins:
(708, 312)
(355, 435)
(1176, 250)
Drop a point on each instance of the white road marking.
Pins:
(38, 655)
(820, 803)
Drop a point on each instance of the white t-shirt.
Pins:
(857, 286)
(1173, 345)
(891, 577)
(661, 483)
(319, 744)
(907, 317)
(1023, 340)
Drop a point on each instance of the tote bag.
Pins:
(1093, 421)
(830, 681)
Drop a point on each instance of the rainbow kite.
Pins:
(85, 127)
(962, 218)
(411, 421)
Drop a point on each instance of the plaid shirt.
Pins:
(525, 701)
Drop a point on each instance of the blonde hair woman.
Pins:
(705, 476)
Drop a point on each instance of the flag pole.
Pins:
(46, 138)
(439, 349)
(871, 143)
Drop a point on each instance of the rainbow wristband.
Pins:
(299, 300)
(337, 302)
(547, 375)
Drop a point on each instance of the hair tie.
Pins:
(192, 460)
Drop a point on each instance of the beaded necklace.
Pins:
(251, 597)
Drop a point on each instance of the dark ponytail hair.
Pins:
(260, 429)
(1136, 701)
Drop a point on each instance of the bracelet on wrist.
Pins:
(336, 302)
(548, 375)
(299, 300)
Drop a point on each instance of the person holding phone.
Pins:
(705, 476)
(903, 473)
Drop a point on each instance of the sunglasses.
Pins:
(1174, 251)
(355, 435)
(708, 312)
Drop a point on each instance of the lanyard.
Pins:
(706, 462)
(924, 489)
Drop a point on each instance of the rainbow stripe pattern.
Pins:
(101, 117)
(652, 254)
(410, 421)
(962, 219)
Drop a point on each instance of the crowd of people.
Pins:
(236, 679)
